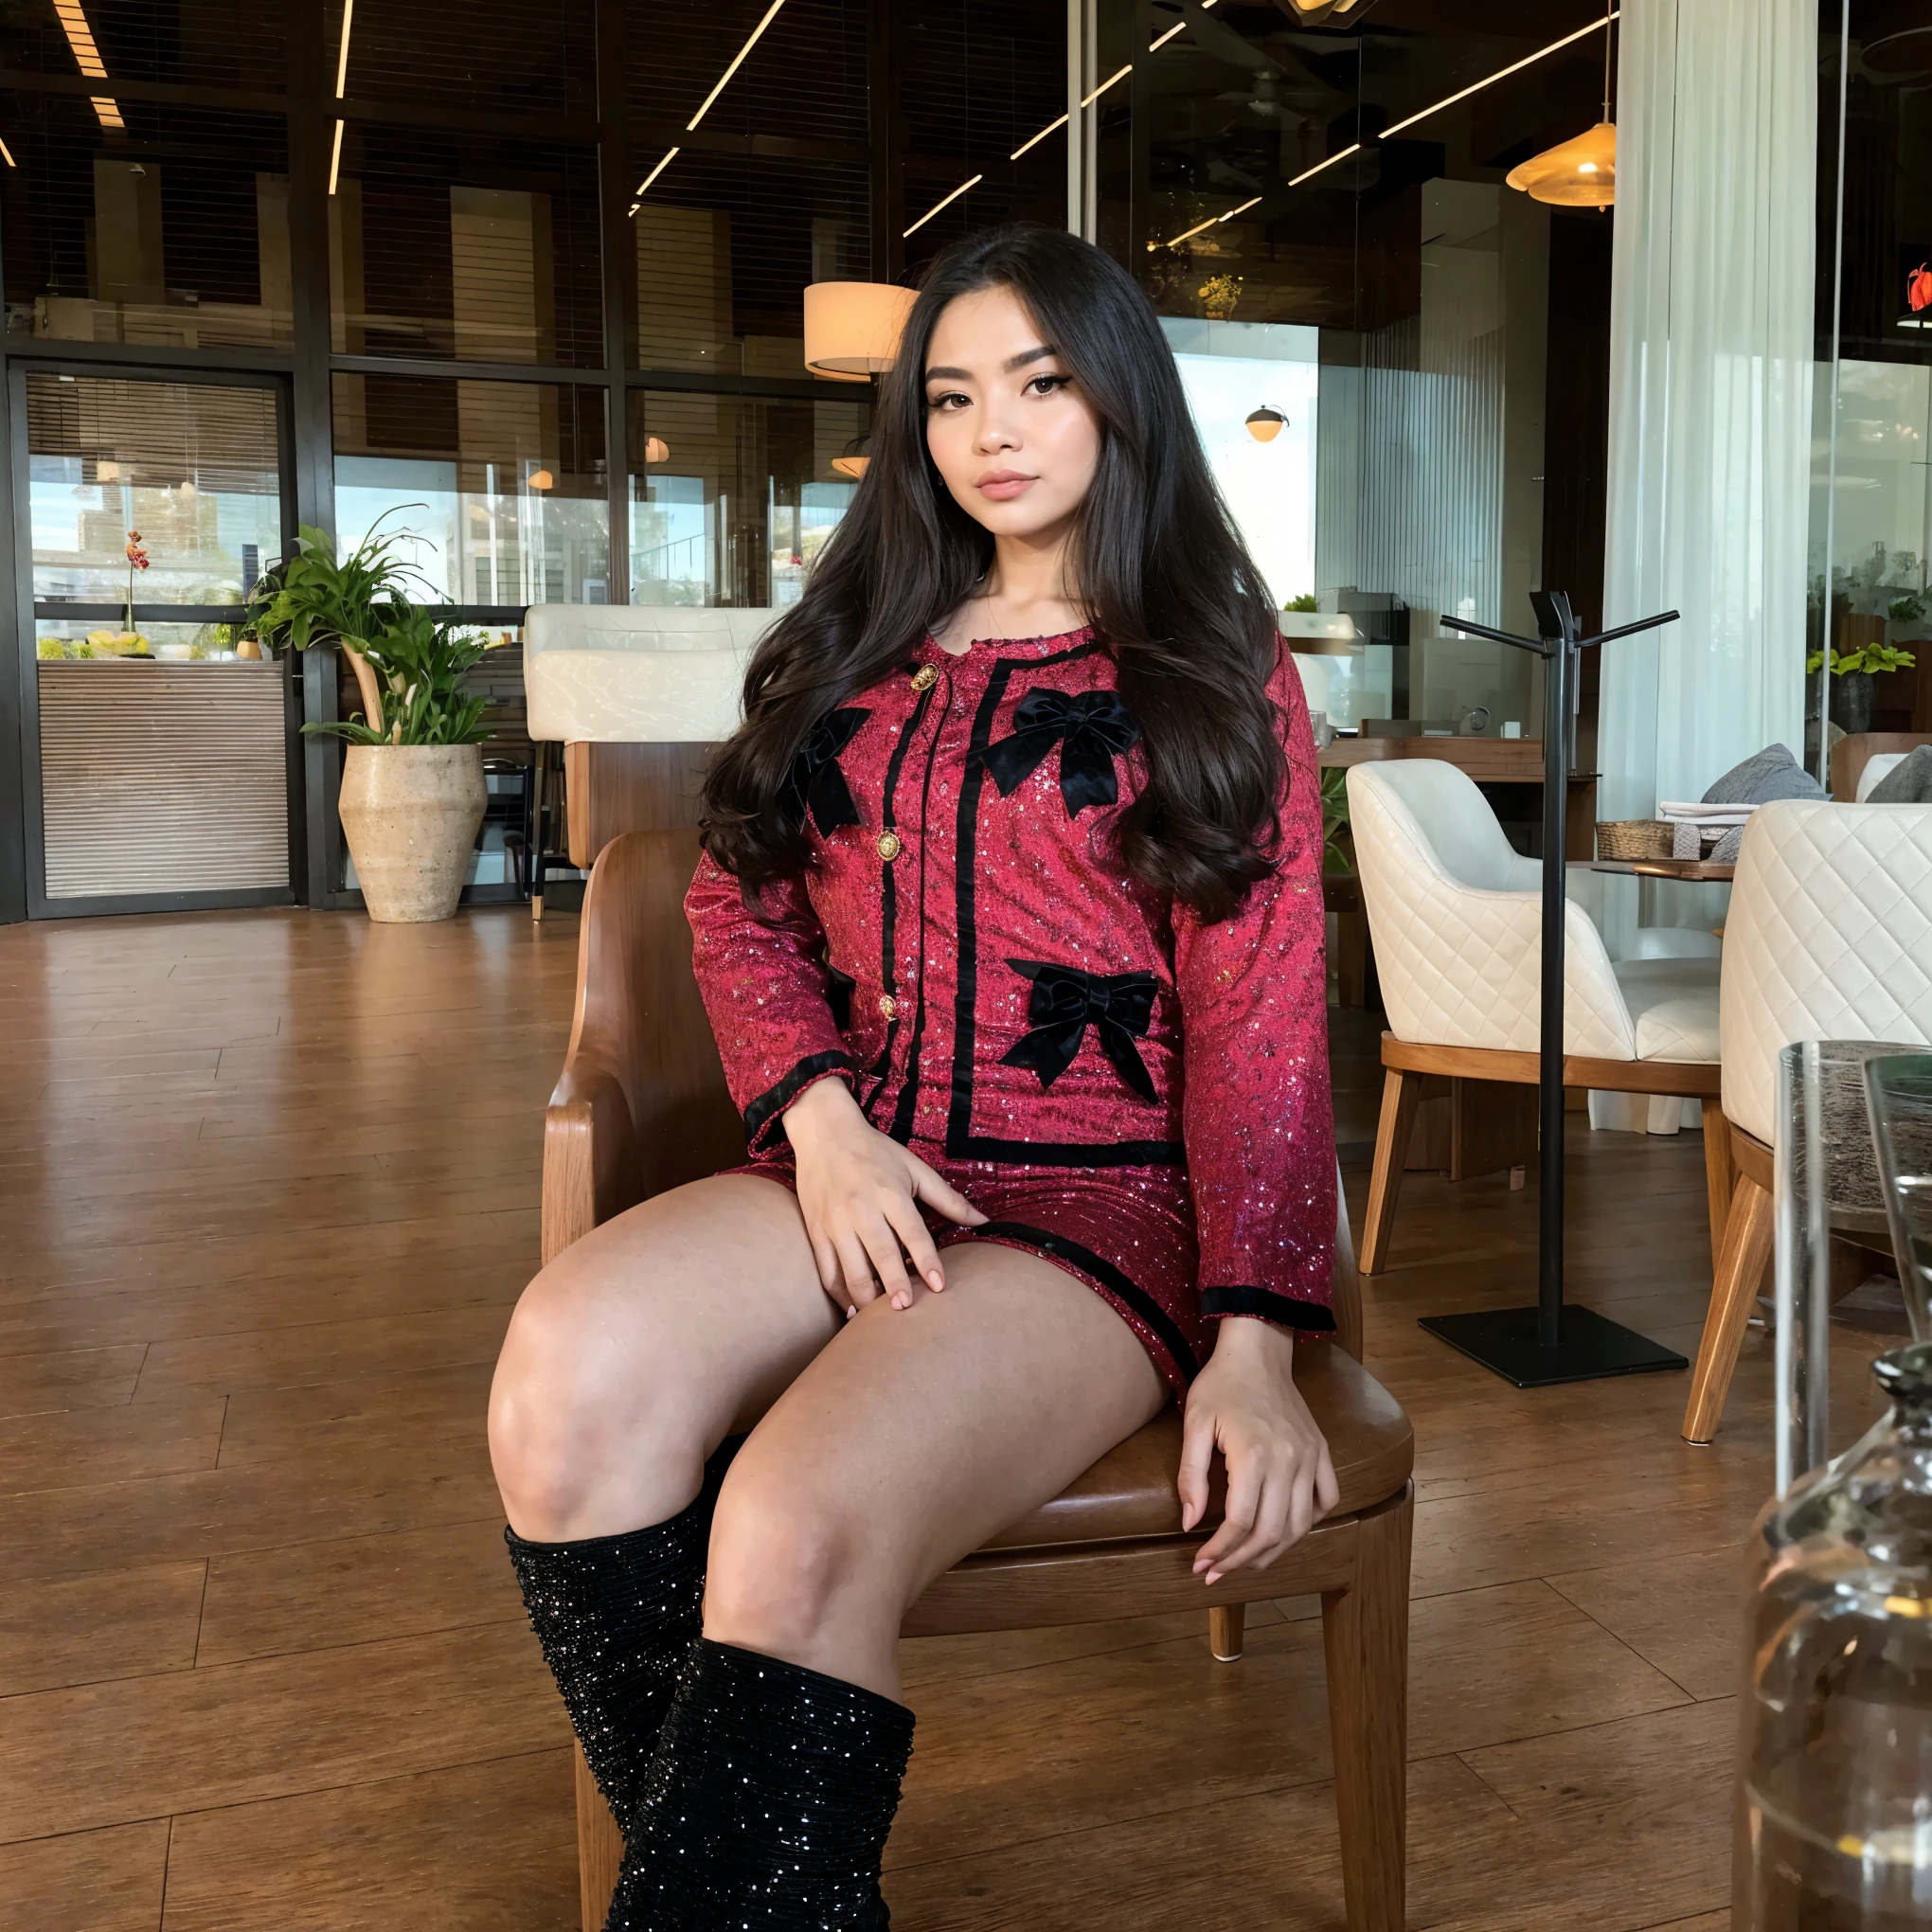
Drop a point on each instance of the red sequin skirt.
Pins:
(1127, 1232)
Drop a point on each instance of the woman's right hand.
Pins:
(859, 1190)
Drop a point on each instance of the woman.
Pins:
(1010, 929)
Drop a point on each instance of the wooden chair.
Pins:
(642, 1106)
(1457, 920)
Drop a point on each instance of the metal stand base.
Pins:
(1503, 1340)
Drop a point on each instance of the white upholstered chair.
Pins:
(1876, 766)
(1456, 916)
(1829, 936)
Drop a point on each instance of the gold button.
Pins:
(890, 847)
(887, 1006)
(925, 677)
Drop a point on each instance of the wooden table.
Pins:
(1700, 870)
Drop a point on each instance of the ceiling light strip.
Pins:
(79, 38)
(643, 186)
(1242, 210)
(87, 58)
(1192, 232)
(1180, 27)
(1051, 128)
(341, 88)
(1054, 127)
(947, 203)
(1353, 148)
(342, 56)
(1504, 72)
(771, 13)
(6, 156)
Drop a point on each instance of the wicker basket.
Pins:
(1633, 838)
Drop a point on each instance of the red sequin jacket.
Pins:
(965, 951)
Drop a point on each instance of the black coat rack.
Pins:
(1552, 1342)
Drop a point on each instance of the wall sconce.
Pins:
(656, 450)
(1265, 423)
(853, 329)
(851, 460)
(542, 479)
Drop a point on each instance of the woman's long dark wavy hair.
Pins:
(1155, 561)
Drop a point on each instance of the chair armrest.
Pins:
(642, 1105)
(591, 1166)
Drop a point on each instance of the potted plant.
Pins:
(1851, 674)
(412, 777)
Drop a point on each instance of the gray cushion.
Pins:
(1910, 783)
(1772, 773)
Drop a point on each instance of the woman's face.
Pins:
(1015, 440)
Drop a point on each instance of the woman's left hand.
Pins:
(1279, 1478)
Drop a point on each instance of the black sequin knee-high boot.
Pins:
(616, 1617)
(767, 1805)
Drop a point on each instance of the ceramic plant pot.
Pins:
(1852, 700)
(410, 814)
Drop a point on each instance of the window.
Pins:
(501, 485)
(733, 496)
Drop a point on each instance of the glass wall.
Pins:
(732, 496)
(1430, 331)
(1872, 507)
(502, 487)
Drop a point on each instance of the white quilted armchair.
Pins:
(1456, 916)
(1829, 936)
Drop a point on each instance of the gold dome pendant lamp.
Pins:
(1580, 173)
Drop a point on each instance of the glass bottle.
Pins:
(1835, 1832)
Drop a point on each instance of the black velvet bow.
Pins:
(1066, 1002)
(1092, 729)
(815, 779)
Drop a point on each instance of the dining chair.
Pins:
(1456, 916)
(1829, 936)
(642, 1106)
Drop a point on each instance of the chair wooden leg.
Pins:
(1364, 1629)
(1402, 1094)
(600, 1849)
(1740, 1272)
(1227, 1628)
(1719, 1176)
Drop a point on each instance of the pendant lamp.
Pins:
(1265, 423)
(853, 329)
(1578, 173)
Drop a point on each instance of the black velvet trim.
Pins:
(907, 1111)
(1310, 1316)
(961, 1143)
(1103, 1271)
(775, 1100)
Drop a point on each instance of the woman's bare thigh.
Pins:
(906, 1444)
(641, 1347)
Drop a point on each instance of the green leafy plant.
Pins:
(1306, 601)
(418, 664)
(1907, 609)
(1337, 844)
(407, 666)
(1872, 658)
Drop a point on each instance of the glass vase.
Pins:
(1835, 1746)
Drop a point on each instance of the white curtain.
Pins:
(1710, 376)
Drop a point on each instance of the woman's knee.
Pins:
(787, 1561)
(573, 1417)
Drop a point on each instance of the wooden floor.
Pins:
(269, 1185)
